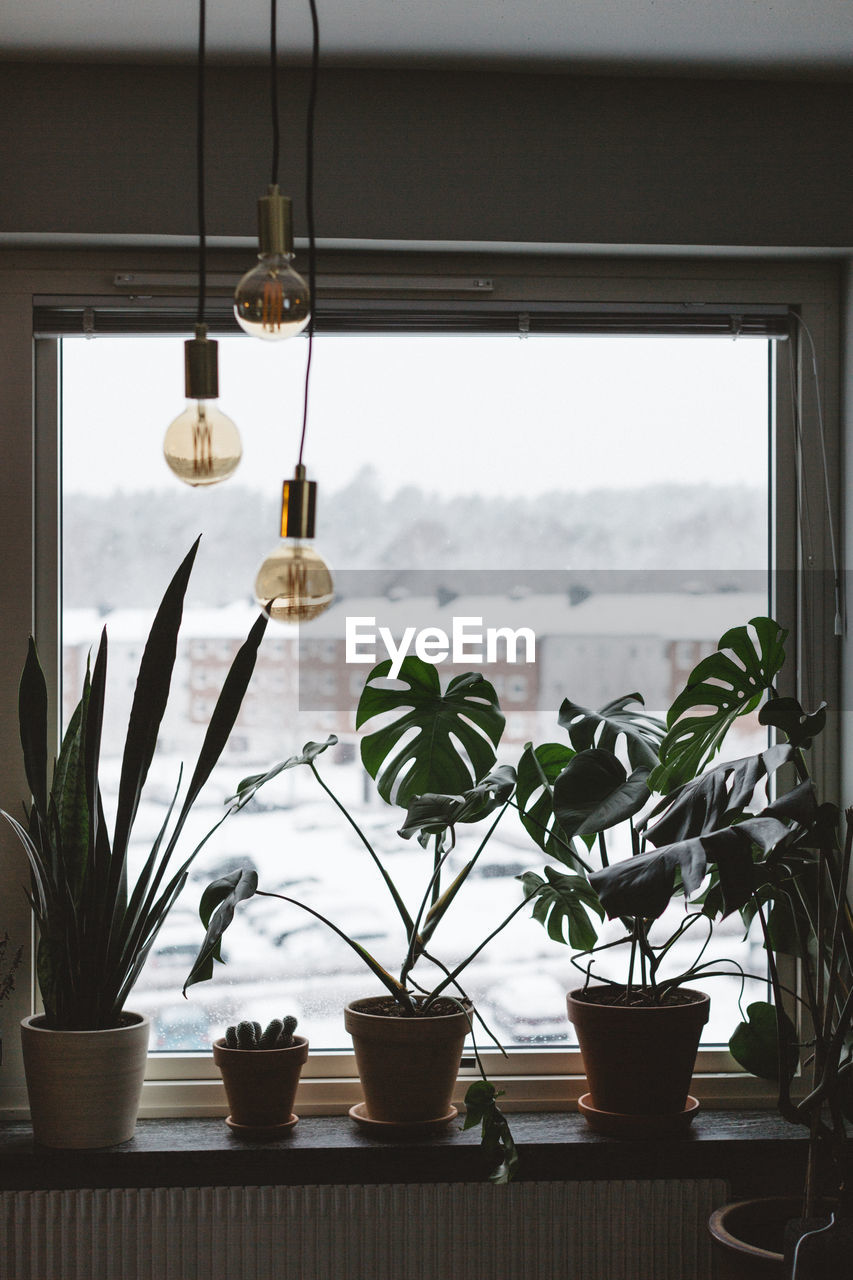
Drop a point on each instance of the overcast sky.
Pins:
(495, 414)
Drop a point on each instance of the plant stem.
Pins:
(392, 888)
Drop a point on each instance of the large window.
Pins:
(609, 493)
(619, 475)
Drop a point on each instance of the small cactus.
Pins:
(248, 1035)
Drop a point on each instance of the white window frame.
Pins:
(547, 1079)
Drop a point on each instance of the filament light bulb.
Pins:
(294, 583)
(272, 300)
(202, 446)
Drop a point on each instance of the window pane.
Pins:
(611, 490)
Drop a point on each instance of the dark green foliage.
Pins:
(95, 928)
(755, 1043)
(406, 766)
(481, 1103)
(727, 684)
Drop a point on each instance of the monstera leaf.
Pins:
(562, 904)
(644, 885)
(538, 770)
(248, 788)
(432, 814)
(798, 726)
(642, 733)
(755, 1043)
(723, 686)
(436, 742)
(218, 903)
(718, 798)
(594, 793)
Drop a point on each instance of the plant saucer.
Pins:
(616, 1124)
(400, 1128)
(262, 1130)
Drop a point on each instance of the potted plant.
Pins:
(7, 975)
(434, 755)
(260, 1071)
(84, 1056)
(639, 1037)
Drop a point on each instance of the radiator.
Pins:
(650, 1230)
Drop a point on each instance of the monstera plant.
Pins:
(581, 797)
(433, 754)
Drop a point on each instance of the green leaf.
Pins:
(562, 904)
(594, 793)
(436, 742)
(248, 788)
(538, 770)
(149, 700)
(218, 903)
(641, 732)
(32, 719)
(799, 727)
(755, 1044)
(716, 798)
(496, 1138)
(432, 814)
(725, 685)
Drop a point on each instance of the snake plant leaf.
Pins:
(433, 814)
(562, 903)
(149, 701)
(32, 718)
(594, 792)
(538, 770)
(725, 685)
(641, 732)
(754, 1044)
(216, 909)
(716, 798)
(798, 726)
(249, 786)
(71, 807)
(418, 750)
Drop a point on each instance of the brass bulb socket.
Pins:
(298, 506)
(275, 223)
(201, 366)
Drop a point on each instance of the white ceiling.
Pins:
(739, 36)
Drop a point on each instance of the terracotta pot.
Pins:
(261, 1084)
(638, 1059)
(84, 1086)
(748, 1238)
(756, 1240)
(407, 1066)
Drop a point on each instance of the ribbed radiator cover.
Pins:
(650, 1230)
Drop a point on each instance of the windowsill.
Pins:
(755, 1151)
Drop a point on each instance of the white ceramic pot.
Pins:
(84, 1086)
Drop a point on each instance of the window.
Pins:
(615, 658)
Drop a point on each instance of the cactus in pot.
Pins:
(260, 1070)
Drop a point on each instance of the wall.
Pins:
(431, 155)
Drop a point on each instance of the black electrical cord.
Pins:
(276, 124)
(202, 228)
(309, 210)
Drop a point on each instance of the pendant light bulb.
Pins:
(294, 583)
(272, 300)
(202, 445)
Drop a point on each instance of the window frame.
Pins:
(188, 1084)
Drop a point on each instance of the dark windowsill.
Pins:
(755, 1151)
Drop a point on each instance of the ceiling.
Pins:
(776, 37)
